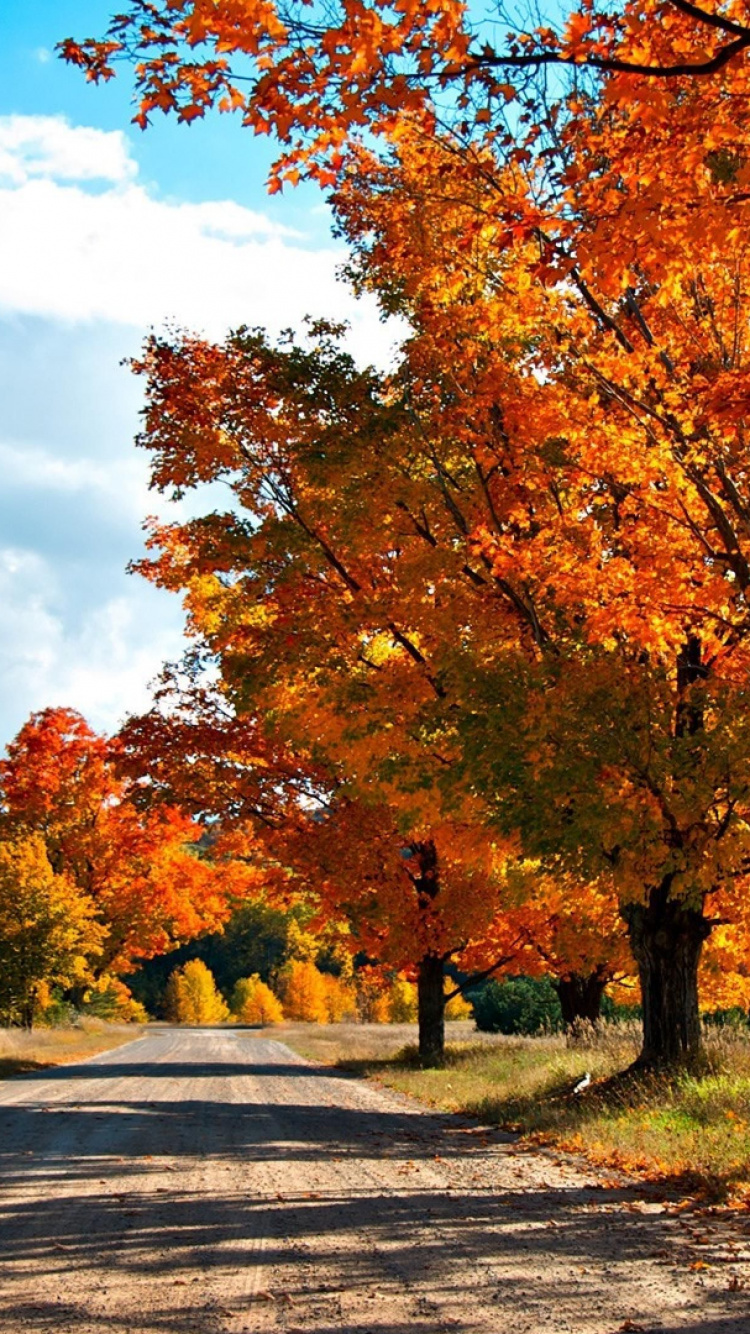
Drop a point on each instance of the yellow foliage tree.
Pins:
(192, 998)
(253, 1002)
(402, 1001)
(48, 931)
(303, 992)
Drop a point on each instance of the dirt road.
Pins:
(211, 1182)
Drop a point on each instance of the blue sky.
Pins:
(106, 232)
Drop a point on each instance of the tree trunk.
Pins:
(666, 937)
(581, 997)
(431, 1009)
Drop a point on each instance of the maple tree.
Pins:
(620, 541)
(490, 556)
(299, 605)
(568, 930)
(311, 74)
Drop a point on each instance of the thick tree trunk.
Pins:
(581, 997)
(666, 937)
(431, 1009)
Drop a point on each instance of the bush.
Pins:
(253, 1002)
(518, 1005)
(110, 999)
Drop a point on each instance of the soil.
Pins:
(212, 1182)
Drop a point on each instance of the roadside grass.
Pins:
(688, 1131)
(22, 1052)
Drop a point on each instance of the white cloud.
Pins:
(101, 666)
(125, 256)
(32, 146)
(24, 466)
(92, 260)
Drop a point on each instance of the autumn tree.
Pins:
(314, 76)
(502, 504)
(402, 1001)
(192, 997)
(375, 695)
(141, 870)
(303, 992)
(49, 935)
(571, 931)
(253, 1002)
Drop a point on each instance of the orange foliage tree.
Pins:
(322, 630)
(619, 539)
(142, 871)
(303, 992)
(253, 1002)
(336, 612)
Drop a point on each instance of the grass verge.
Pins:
(22, 1052)
(690, 1132)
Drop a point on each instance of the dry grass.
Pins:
(21, 1051)
(346, 1045)
(690, 1131)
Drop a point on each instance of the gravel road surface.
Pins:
(212, 1182)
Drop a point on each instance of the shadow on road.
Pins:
(180, 1070)
(158, 1227)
